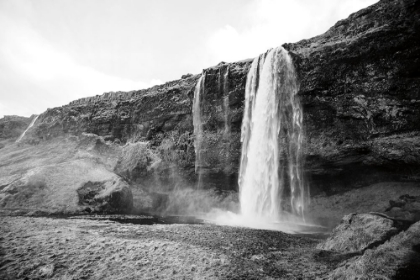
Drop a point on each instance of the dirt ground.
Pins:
(47, 248)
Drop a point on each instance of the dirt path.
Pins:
(45, 248)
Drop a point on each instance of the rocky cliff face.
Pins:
(360, 91)
(11, 127)
(359, 86)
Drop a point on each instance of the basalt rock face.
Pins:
(162, 117)
(359, 88)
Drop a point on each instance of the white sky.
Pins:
(55, 51)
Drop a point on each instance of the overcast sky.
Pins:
(55, 51)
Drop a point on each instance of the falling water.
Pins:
(225, 91)
(30, 125)
(198, 127)
(271, 161)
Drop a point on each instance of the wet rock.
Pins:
(358, 232)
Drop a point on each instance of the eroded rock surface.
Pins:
(397, 258)
(106, 196)
(63, 176)
(358, 232)
(11, 127)
(406, 207)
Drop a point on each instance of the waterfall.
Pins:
(30, 125)
(225, 92)
(198, 127)
(272, 136)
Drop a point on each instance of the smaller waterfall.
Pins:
(198, 127)
(225, 90)
(29, 127)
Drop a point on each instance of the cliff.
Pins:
(11, 127)
(359, 87)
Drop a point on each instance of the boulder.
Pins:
(111, 196)
(398, 258)
(358, 232)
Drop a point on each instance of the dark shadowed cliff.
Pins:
(360, 90)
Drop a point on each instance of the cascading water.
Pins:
(272, 135)
(225, 92)
(198, 127)
(30, 125)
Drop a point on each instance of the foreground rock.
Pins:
(328, 210)
(358, 232)
(63, 176)
(373, 246)
(397, 258)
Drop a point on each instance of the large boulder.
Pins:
(358, 232)
(64, 175)
(112, 196)
(69, 187)
(398, 258)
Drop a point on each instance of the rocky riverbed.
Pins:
(363, 246)
(56, 248)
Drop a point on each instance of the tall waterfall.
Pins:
(198, 126)
(30, 125)
(272, 136)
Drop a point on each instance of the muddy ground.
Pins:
(77, 248)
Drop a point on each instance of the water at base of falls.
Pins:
(272, 192)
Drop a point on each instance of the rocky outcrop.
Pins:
(397, 258)
(359, 90)
(358, 232)
(11, 127)
(106, 196)
(66, 175)
(406, 207)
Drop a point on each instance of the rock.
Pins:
(112, 196)
(358, 232)
(11, 127)
(328, 210)
(186, 76)
(397, 258)
(135, 161)
(406, 208)
(63, 176)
